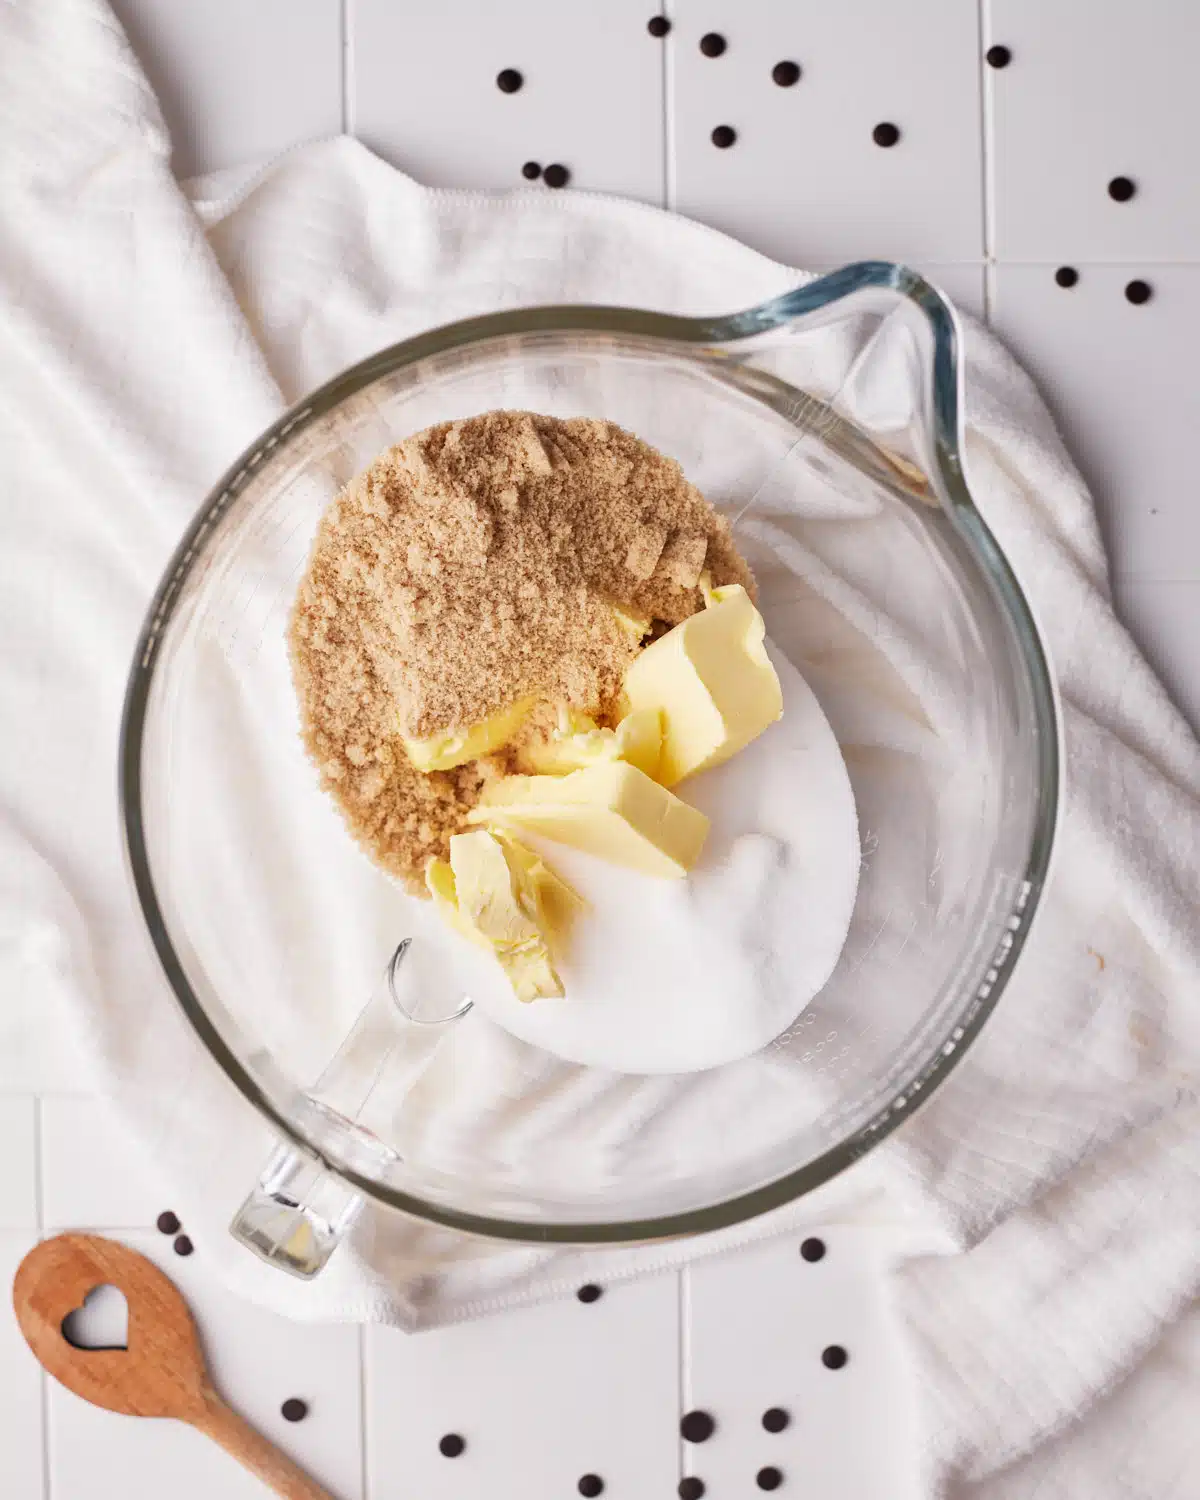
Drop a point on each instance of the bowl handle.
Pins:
(300, 1209)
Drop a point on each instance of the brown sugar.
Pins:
(474, 564)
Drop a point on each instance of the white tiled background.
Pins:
(998, 178)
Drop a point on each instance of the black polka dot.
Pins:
(998, 57)
(531, 170)
(556, 176)
(724, 136)
(1066, 276)
(834, 1357)
(452, 1446)
(658, 26)
(508, 80)
(294, 1410)
(168, 1223)
(712, 44)
(1138, 292)
(182, 1245)
(886, 134)
(1121, 189)
(691, 1488)
(590, 1293)
(813, 1248)
(776, 1419)
(697, 1427)
(786, 74)
(769, 1478)
(590, 1485)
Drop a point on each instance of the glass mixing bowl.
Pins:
(827, 423)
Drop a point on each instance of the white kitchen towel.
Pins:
(145, 339)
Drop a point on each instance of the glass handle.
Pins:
(297, 1213)
(300, 1209)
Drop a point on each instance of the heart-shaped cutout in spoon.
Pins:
(100, 1322)
(161, 1373)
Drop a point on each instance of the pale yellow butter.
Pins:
(486, 887)
(713, 682)
(612, 810)
(454, 747)
(637, 739)
(634, 626)
(554, 903)
(531, 973)
(440, 883)
(505, 899)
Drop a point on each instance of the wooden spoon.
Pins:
(162, 1371)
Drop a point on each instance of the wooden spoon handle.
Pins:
(250, 1448)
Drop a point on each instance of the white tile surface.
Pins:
(545, 1395)
(423, 92)
(239, 81)
(1092, 93)
(542, 1396)
(20, 1390)
(257, 1361)
(91, 1176)
(805, 182)
(756, 1327)
(1164, 619)
(18, 1162)
(1121, 381)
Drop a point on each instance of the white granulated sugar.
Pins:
(673, 976)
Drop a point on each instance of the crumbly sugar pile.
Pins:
(472, 565)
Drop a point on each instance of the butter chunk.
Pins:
(634, 626)
(554, 903)
(443, 890)
(637, 739)
(713, 682)
(531, 973)
(611, 810)
(505, 899)
(486, 889)
(454, 747)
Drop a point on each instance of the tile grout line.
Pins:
(668, 110)
(685, 1362)
(1128, 263)
(347, 68)
(987, 101)
(364, 1465)
(39, 1210)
